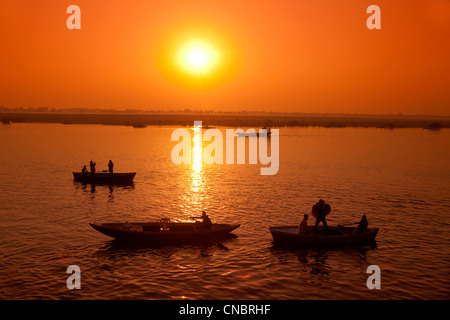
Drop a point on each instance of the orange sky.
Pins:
(292, 56)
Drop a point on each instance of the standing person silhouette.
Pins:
(92, 166)
(320, 210)
(110, 167)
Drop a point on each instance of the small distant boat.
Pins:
(136, 125)
(105, 177)
(203, 127)
(434, 126)
(267, 133)
(164, 232)
(6, 121)
(336, 237)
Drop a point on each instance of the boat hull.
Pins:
(151, 233)
(105, 178)
(342, 237)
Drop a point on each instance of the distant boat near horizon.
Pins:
(104, 177)
(204, 127)
(267, 134)
(6, 121)
(434, 126)
(136, 125)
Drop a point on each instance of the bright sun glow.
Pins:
(198, 57)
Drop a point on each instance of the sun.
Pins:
(198, 57)
(195, 56)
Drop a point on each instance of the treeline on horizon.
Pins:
(4, 109)
(229, 120)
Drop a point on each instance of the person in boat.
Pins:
(205, 224)
(303, 226)
(128, 226)
(110, 167)
(84, 171)
(320, 210)
(92, 166)
(362, 225)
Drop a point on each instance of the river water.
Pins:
(399, 178)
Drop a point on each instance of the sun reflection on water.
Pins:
(197, 161)
(194, 197)
(197, 151)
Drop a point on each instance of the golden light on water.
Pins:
(197, 183)
(194, 197)
(197, 151)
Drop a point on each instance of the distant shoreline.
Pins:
(232, 120)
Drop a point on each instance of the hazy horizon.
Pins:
(94, 110)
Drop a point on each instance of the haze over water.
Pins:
(399, 178)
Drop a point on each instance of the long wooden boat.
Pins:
(158, 233)
(336, 236)
(104, 177)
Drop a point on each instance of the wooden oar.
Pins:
(219, 244)
(354, 232)
(349, 224)
(343, 224)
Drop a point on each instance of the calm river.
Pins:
(399, 178)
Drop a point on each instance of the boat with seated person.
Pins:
(164, 232)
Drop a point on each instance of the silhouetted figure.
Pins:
(128, 226)
(84, 171)
(206, 222)
(303, 226)
(320, 210)
(110, 167)
(362, 225)
(92, 166)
